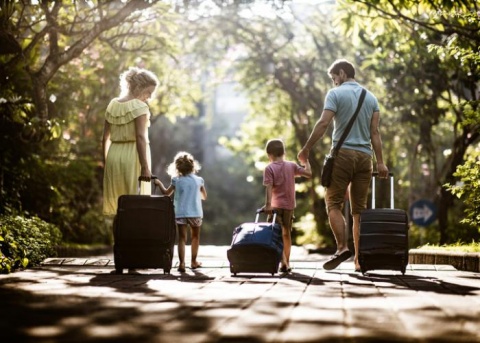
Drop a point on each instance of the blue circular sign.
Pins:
(423, 212)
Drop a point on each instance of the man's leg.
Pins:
(335, 199)
(356, 238)
(359, 190)
(337, 223)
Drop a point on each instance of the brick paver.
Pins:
(78, 300)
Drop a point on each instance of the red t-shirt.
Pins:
(282, 176)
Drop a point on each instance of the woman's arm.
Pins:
(141, 140)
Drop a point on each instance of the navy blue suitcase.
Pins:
(256, 247)
(383, 236)
(144, 232)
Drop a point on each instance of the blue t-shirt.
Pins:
(343, 100)
(187, 197)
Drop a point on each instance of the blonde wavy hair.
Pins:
(135, 80)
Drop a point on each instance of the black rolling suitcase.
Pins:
(256, 247)
(144, 232)
(383, 236)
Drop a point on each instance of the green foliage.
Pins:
(307, 232)
(418, 235)
(25, 242)
(468, 188)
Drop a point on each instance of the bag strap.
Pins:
(350, 123)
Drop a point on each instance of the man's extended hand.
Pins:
(382, 171)
(303, 156)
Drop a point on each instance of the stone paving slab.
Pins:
(79, 300)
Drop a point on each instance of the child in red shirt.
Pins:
(279, 180)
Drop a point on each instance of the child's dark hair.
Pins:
(183, 164)
(275, 147)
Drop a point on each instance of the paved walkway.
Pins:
(78, 300)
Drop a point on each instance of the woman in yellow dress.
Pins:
(125, 138)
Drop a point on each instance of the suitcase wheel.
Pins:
(119, 271)
(167, 262)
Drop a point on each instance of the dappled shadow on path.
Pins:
(417, 283)
(92, 305)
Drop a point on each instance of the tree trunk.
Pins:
(445, 203)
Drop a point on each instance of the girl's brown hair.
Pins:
(183, 164)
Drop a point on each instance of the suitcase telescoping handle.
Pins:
(374, 176)
(152, 178)
(261, 210)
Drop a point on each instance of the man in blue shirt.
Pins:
(353, 165)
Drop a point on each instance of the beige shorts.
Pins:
(352, 168)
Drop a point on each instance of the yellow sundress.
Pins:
(122, 166)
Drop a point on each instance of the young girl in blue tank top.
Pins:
(189, 191)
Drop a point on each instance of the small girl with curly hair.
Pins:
(189, 191)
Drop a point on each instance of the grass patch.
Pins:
(461, 247)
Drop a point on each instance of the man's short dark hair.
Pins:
(275, 147)
(344, 65)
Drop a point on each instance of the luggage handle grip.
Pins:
(375, 174)
(141, 179)
(261, 210)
